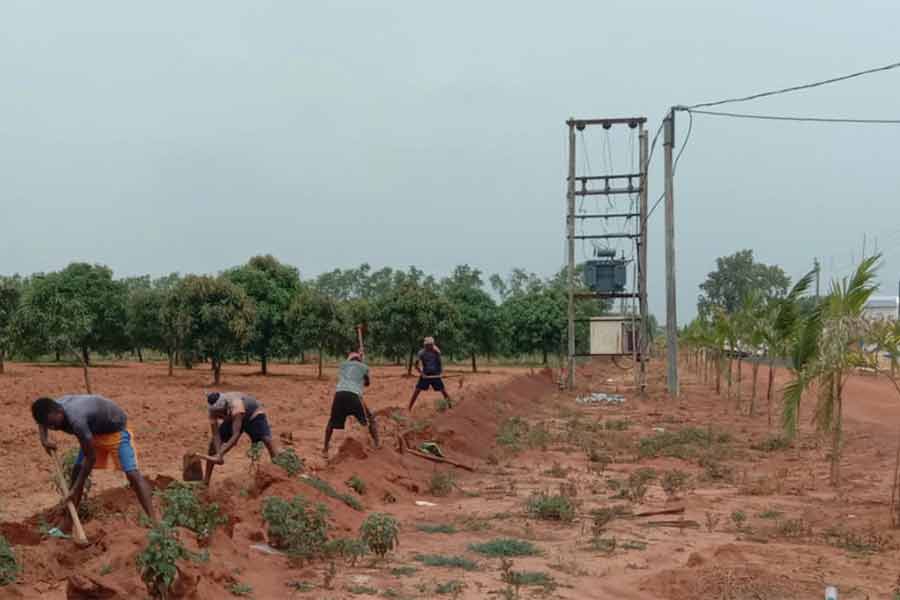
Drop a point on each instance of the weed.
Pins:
(634, 545)
(428, 528)
(568, 488)
(867, 542)
(601, 517)
(770, 514)
(254, 453)
(157, 562)
(714, 470)
(474, 524)
(441, 484)
(794, 528)
(441, 405)
(357, 485)
(614, 485)
(529, 578)
(301, 586)
(674, 482)
(240, 589)
(288, 460)
(599, 460)
(772, 444)
(105, 570)
(712, 521)
(685, 444)
(617, 424)
(362, 589)
(556, 471)
(347, 548)
(551, 507)
(738, 517)
(454, 587)
(9, 566)
(439, 560)
(380, 532)
(295, 526)
(601, 544)
(328, 576)
(638, 482)
(505, 547)
(182, 508)
(405, 571)
(325, 487)
(538, 437)
(512, 433)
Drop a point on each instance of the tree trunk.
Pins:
(264, 363)
(474, 365)
(217, 370)
(85, 356)
(57, 356)
(302, 357)
(719, 368)
(755, 369)
(140, 355)
(740, 378)
(409, 363)
(320, 363)
(728, 379)
(769, 391)
(545, 356)
(84, 368)
(171, 363)
(2, 368)
(838, 433)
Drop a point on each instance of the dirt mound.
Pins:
(351, 449)
(737, 582)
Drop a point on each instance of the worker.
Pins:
(238, 413)
(101, 428)
(428, 365)
(353, 376)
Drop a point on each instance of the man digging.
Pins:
(101, 428)
(430, 373)
(353, 375)
(238, 413)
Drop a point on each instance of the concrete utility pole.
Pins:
(671, 312)
(642, 263)
(818, 269)
(570, 234)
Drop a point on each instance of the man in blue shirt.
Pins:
(430, 373)
(353, 376)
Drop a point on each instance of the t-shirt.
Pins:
(352, 377)
(90, 415)
(431, 361)
(234, 403)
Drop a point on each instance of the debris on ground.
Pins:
(600, 398)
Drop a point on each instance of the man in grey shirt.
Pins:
(353, 375)
(101, 428)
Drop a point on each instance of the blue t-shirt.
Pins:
(431, 362)
(352, 377)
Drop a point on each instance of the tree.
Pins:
(272, 286)
(212, 316)
(10, 296)
(735, 277)
(314, 320)
(534, 321)
(833, 347)
(478, 314)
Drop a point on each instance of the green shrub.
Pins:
(439, 560)
(453, 587)
(770, 513)
(738, 517)
(714, 469)
(638, 482)
(607, 545)
(157, 562)
(505, 547)
(551, 507)
(512, 433)
(441, 484)
(325, 487)
(380, 532)
(349, 549)
(673, 482)
(404, 571)
(295, 526)
(442, 528)
(9, 566)
(362, 589)
(617, 424)
(601, 517)
(688, 444)
(240, 589)
(557, 471)
(254, 453)
(182, 508)
(528, 578)
(357, 485)
(772, 444)
(288, 460)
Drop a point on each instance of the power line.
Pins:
(795, 88)
(677, 158)
(791, 118)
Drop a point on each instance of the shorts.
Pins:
(257, 428)
(120, 445)
(347, 404)
(435, 383)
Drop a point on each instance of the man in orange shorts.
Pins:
(100, 426)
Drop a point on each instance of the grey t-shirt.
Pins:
(352, 377)
(87, 416)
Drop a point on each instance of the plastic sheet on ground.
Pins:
(600, 398)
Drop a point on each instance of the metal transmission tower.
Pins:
(606, 280)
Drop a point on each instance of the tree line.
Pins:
(263, 309)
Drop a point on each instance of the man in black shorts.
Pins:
(352, 377)
(239, 413)
(430, 373)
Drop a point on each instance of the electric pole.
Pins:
(671, 313)
(570, 226)
(642, 264)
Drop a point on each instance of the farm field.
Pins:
(558, 486)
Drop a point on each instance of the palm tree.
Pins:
(830, 347)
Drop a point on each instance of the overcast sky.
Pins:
(188, 136)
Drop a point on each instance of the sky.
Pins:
(189, 136)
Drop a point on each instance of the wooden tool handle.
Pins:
(77, 529)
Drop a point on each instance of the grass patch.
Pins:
(436, 528)
(357, 485)
(454, 586)
(240, 590)
(505, 547)
(551, 507)
(638, 483)
(362, 589)
(442, 483)
(518, 579)
(772, 443)
(9, 566)
(326, 488)
(404, 571)
(770, 514)
(288, 460)
(557, 471)
(301, 586)
(860, 543)
(674, 482)
(687, 444)
(601, 517)
(449, 562)
(617, 424)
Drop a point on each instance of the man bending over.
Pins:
(230, 415)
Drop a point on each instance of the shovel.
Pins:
(77, 530)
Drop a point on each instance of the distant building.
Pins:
(881, 308)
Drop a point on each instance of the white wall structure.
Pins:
(881, 308)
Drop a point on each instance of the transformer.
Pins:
(606, 274)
